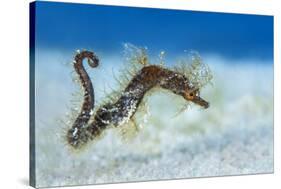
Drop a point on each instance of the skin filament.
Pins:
(123, 109)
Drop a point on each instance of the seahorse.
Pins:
(123, 109)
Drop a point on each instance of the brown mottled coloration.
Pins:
(121, 111)
(147, 78)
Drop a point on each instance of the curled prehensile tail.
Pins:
(88, 102)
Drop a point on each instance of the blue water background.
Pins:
(68, 26)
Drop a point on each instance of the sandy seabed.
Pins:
(234, 136)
